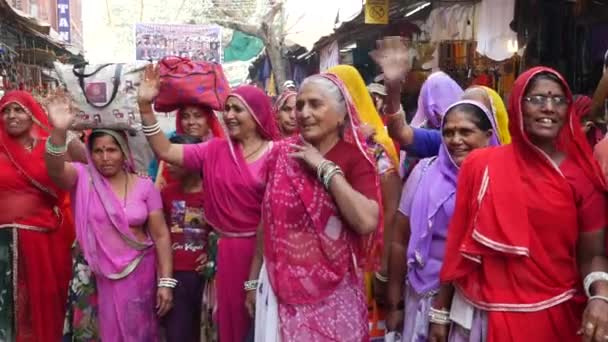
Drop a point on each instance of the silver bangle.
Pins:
(592, 278)
(441, 317)
(251, 285)
(167, 282)
(330, 174)
(604, 298)
(381, 278)
(151, 129)
(322, 168)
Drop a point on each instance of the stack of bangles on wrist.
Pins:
(251, 285)
(167, 282)
(326, 171)
(592, 278)
(151, 129)
(441, 317)
(55, 150)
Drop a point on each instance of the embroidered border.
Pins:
(510, 307)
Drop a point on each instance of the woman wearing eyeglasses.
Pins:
(527, 235)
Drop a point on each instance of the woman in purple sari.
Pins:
(120, 231)
(426, 207)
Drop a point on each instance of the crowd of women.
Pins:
(293, 222)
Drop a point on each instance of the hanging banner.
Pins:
(376, 11)
(197, 42)
(63, 20)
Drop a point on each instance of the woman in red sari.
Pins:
(529, 223)
(36, 228)
(321, 215)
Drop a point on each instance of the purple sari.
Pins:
(124, 267)
(429, 204)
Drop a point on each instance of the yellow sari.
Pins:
(366, 108)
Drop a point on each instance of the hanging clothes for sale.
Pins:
(493, 31)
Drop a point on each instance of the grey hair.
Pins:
(328, 87)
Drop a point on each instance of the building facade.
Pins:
(64, 16)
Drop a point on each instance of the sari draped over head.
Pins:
(234, 194)
(366, 109)
(438, 92)
(501, 116)
(163, 177)
(307, 256)
(43, 231)
(107, 242)
(214, 124)
(281, 100)
(435, 191)
(124, 266)
(512, 238)
(581, 107)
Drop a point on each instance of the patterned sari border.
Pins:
(501, 247)
(24, 227)
(15, 279)
(130, 268)
(484, 240)
(510, 307)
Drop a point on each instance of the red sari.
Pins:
(38, 215)
(512, 240)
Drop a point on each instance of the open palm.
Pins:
(61, 115)
(150, 84)
(391, 54)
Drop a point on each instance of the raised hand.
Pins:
(150, 85)
(61, 115)
(392, 55)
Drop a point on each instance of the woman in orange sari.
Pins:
(36, 230)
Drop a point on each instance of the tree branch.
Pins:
(239, 26)
(274, 9)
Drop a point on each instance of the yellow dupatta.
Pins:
(500, 115)
(366, 108)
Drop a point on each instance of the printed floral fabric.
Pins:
(7, 331)
(208, 326)
(81, 321)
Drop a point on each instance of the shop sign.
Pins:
(63, 20)
(376, 11)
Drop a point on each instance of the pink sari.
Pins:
(234, 191)
(124, 268)
(311, 256)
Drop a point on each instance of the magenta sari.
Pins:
(124, 268)
(234, 191)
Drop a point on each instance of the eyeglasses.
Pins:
(542, 100)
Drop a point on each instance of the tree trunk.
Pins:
(278, 63)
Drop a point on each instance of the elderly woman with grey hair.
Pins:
(321, 214)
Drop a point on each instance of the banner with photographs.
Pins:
(197, 42)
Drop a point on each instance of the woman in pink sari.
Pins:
(121, 232)
(233, 173)
(322, 213)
